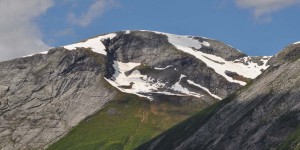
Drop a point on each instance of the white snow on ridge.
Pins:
(127, 32)
(297, 43)
(206, 43)
(220, 65)
(164, 33)
(204, 88)
(95, 44)
(44, 53)
(185, 40)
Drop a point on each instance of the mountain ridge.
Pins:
(187, 44)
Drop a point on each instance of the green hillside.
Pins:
(127, 122)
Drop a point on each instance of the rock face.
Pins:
(262, 115)
(43, 96)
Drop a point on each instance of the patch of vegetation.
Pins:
(292, 142)
(183, 130)
(124, 124)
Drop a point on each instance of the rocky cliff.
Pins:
(265, 114)
(44, 96)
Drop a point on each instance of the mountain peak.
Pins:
(128, 75)
(150, 49)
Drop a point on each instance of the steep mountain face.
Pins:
(150, 63)
(129, 83)
(44, 96)
(265, 114)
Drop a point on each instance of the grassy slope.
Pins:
(185, 128)
(125, 123)
(292, 141)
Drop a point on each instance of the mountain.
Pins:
(117, 90)
(265, 114)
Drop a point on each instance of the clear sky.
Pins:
(256, 27)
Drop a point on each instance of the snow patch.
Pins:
(127, 32)
(164, 33)
(95, 44)
(44, 53)
(135, 79)
(265, 60)
(136, 82)
(179, 88)
(163, 68)
(206, 44)
(297, 43)
(204, 88)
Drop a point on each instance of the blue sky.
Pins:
(255, 27)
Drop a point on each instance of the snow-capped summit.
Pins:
(226, 62)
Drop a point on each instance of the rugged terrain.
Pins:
(265, 114)
(116, 90)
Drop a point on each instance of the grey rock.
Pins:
(221, 49)
(44, 96)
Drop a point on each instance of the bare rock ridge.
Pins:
(43, 96)
(262, 115)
